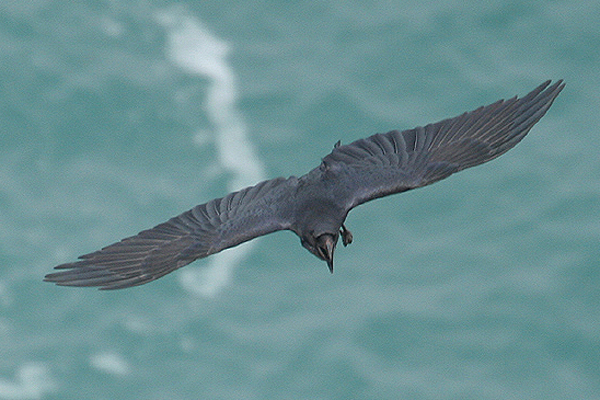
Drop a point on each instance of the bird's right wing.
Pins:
(394, 162)
(204, 230)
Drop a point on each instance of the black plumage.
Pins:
(315, 205)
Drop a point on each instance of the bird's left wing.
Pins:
(394, 162)
(204, 230)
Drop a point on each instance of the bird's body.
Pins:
(315, 205)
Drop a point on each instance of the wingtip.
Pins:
(553, 90)
(553, 87)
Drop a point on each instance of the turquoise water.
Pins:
(116, 116)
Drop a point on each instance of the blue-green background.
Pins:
(117, 115)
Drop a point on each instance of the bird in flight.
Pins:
(314, 206)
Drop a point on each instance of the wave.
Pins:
(193, 48)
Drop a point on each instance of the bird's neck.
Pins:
(318, 216)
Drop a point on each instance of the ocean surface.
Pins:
(117, 115)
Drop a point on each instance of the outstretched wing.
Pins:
(204, 230)
(394, 162)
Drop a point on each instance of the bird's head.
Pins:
(321, 246)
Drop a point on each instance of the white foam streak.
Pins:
(196, 50)
(32, 381)
(110, 363)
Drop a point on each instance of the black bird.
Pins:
(315, 205)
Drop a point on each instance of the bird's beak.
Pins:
(330, 247)
(324, 249)
(330, 265)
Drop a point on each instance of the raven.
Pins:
(315, 205)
